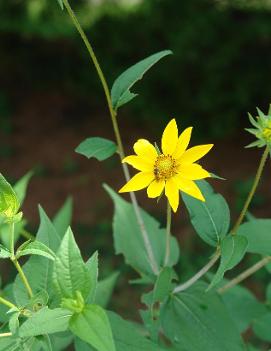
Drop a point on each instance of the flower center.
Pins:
(164, 167)
(267, 134)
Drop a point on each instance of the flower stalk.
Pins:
(114, 121)
(167, 253)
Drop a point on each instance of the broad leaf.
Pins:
(92, 267)
(200, 320)
(257, 232)
(120, 93)
(63, 218)
(45, 321)
(128, 237)
(70, 274)
(128, 337)
(251, 308)
(9, 202)
(99, 148)
(36, 248)
(211, 219)
(261, 327)
(233, 249)
(37, 269)
(92, 326)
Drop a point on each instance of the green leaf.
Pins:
(261, 327)
(120, 93)
(45, 321)
(92, 267)
(9, 202)
(128, 237)
(251, 308)
(128, 337)
(211, 219)
(99, 148)
(36, 248)
(60, 2)
(105, 289)
(21, 186)
(80, 345)
(233, 249)
(38, 269)
(4, 252)
(257, 232)
(63, 218)
(200, 320)
(92, 326)
(70, 274)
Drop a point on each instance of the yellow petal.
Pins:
(139, 181)
(172, 193)
(189, 187)
(145, 149)
(183, 142)
(139, 163)
(195, 153)
(193, 171)
(155, 188)
(170, 138)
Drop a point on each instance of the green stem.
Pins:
(113, 116)
(12, 239)
(23, 277)
(248, 272)
(167, 253)
(252, 191)
(27, 235)
(7, 303)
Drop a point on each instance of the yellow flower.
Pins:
(173, 170)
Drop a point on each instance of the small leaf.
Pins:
(4, 252)
(45, 321)
(36, 248)
(21, 186)
(92, 326)
(9, 202)
(233, 249)
(211, 219)
(60, 2)
(257, 232)
(70, 275)
(120, 93)
(105, 289)
(99, 148)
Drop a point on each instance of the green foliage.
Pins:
(203, 319)
(92, 326)
(261, 327)
(63, 218)
(99, 148)
(128, 238)
(233, 249)
(211, 219)
(9, 202)
(121, 93)
(257, 233)
(35, 248)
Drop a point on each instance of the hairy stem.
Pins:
(252, 191)
(7, 303)
(167, 253)
(114, 121)
(242, 276)
(198, 275)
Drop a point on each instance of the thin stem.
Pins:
(167, 253)
(263, 262)
(198, 275)
(113, 116)
(252, 191)
(7, 303)
(27, 235)
(23, 277)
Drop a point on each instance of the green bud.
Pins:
(261, 130)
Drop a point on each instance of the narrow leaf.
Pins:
(36, 248)
(120, 93)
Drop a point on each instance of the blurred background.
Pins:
(51, 99)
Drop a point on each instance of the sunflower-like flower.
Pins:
(173, 170)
